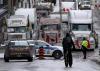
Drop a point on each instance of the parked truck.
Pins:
(81, 25)
(31, 15)
(23, 24)
(50, 30)
(17, 28)
(65, 8)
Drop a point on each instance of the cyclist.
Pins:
(67, 44)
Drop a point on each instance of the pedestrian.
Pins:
(67, 44)
(84, 46)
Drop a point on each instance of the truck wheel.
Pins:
(66, 60)
(57, 54)
(30, 59)
(6, 59)
(70, 60)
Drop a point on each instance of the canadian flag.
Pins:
(66, 10)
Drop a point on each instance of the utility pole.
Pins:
(60, 12)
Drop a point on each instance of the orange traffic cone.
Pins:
(41, 53)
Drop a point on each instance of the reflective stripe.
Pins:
(85, 43)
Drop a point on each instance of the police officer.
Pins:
(84, 47)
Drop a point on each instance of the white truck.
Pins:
(18, 28)
(30, 14)
(81, 25)
(86, 4)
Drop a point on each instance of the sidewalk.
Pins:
(1, 55)
(96, 57)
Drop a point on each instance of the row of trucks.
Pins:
(22, 25)
(80, 24)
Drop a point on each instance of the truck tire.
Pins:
(66, 60)
(70, 60)
(30, 59)
(6, 59)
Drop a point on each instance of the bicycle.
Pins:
(68, 59)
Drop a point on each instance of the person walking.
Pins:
(84, 45)
(67, 44)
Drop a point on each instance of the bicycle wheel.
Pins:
(66, 59)
(70, 62)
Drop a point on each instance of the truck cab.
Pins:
(17, 28)
(81, 25)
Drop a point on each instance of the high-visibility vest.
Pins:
(85, 43)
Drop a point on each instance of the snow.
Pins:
(1, 55)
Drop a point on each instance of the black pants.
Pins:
(84, 51)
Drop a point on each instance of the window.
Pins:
(69, 0)
(39, 43)
(17, 30)
(51, 27)
(18, 43)
(81, 27)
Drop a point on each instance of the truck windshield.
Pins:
(51, 27)
(81, 27)
(87, 2)
(69, 0)
(17, 30)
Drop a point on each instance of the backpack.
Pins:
(68, 40)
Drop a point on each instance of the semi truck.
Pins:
(81, 25)
(17, 28)
(65, 8)
(23, 24)
(50, 30)
(31, 15)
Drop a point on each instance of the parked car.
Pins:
(49, 50)
(19, 49)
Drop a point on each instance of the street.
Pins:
(49, 64)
